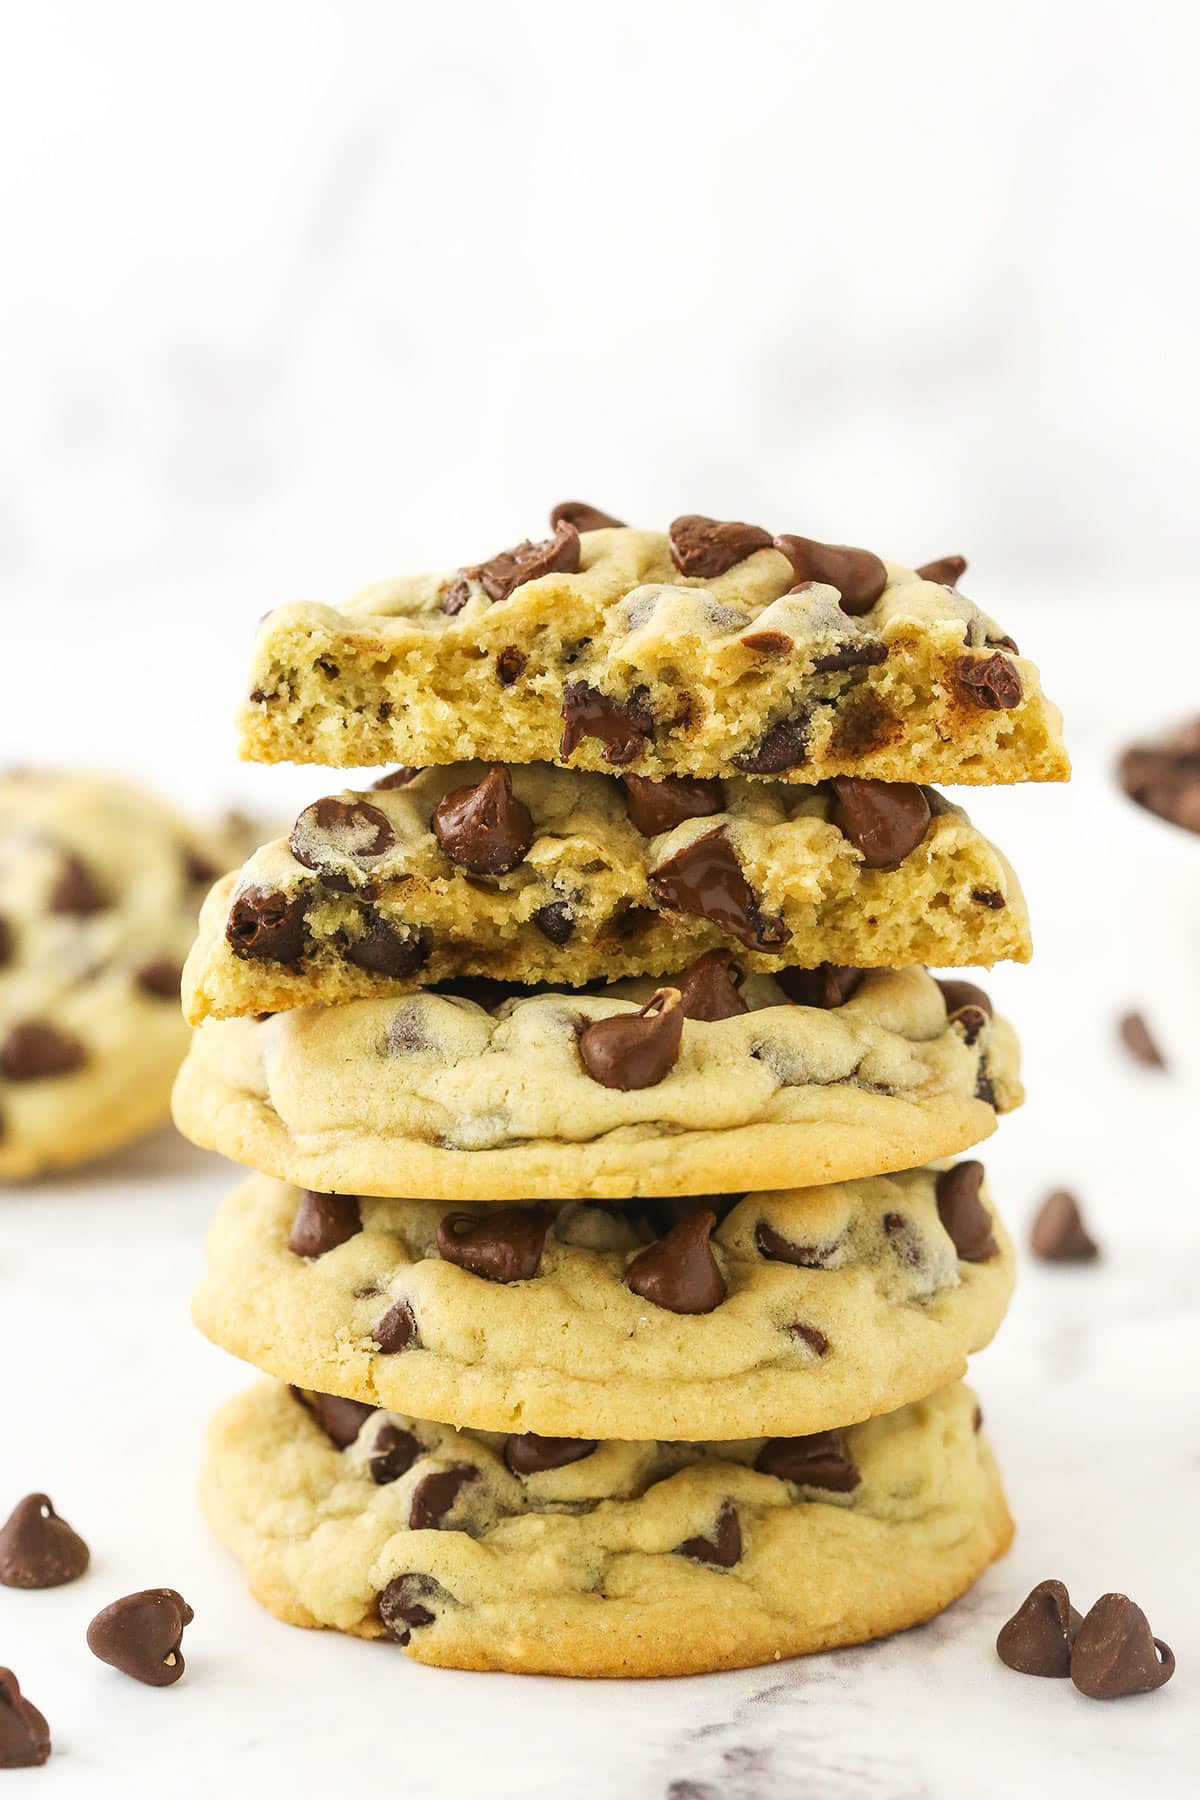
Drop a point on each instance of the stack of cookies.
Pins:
(606, 1248)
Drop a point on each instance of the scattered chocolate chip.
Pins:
(858, 576)
(503, 1244)
(140, 1635)
(965, 1219)
(1037, 1639)
(947, 571)
(392, 1455)
(397, 1330)
(904, 1242)
(829, 985)
(708, 990)
(331, 830)
(784, 746)
(1003, 643)
(638, 1049)
(622, 726)
(455, 596)
(436, 1493)
(1059, 1233)
(24, 1733)
(1137, 1039)
(527, 1454)
(510, 665)
(322, 1222)
(6, 942)
(991, 682)
(723, 1549)
(340, 1419)
(266, 927)
(200, 870)
(858, 653)
(680, 1272)
(384, 949)
(160, 979)
(658, 806)
(77, 891)
(484, 828)
(967, 1006)
(501, 575)
(37, 1548)
(811, 1335)
(555, 921)
(819, 1460)
(884, 820)
(977, 1418)
(582, 516)
(1115, 1653)
(1164, 777)
(402, 1608)
(705, 879)
(710, 547)
(776, 1248)
(989, 897)
(398, 778)
(33, 1051)
(259, 696)
(768, 643)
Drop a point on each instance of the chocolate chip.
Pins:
(658, 806)
(884, 820)
(819, 1460)
(527, 1454)
(37, 1548)
(392, 1455)
(622, 726)
(582, 516)
(857, 653)
(503, 1244)
(77, 891)
(947, 571)
(991, 682)
(638, 1049)
(680, 1272)
(555, 921)
(858, 576)
(484, 828)
(33, 1051)
(768, 643)
(340, 1419)
(811, 1335)
(455, 597)
(6, 942)
(331, 830)
(24, 1733)
(989, 897)
(1164, 777)
(723, 1549)
(708, 990)
(776, 1248)
(402, 1608)
(397, 1330)
(322, 1222)
(903, 1240)
(266, 927)
(510, 665)
(705, 879)
(398, 778)
(1037, 1639)
(1115, 1653)
(965, 1219)
(967, 1006)
(384, 949)
(710, 547)
(829, 985)
(436, 1493)
(160, 979)
(1059, 1233)
(140, 1635)
(784, 746)
(1137, 1039)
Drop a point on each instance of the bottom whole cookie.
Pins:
(560, 1556)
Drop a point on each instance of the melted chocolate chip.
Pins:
(33, 1051)
(1115, 1653)
(622, 726)
(884, 820)
(680, 1272)
(140, 1635)
(990, 682)
(37, 1548)
(1037, 1639)
(322, 1222)
(397, 1330)
(903, 1240)
(436, 1493)
(989, 897)
(392, 1455)
(555, 921)
(857, 653)
(819, 1460)
(340, 1419)
(160, 979)
(964, 1217)
(24, 1733)
(768, 643)
(658, 806)
(1139, 1041)
(967, 1006)
(858, 576)
(455, 597)
(1059, 1233)
(77, 891)
(403, 1606)
(333, 830)
(638, 1049)
(709, 547)
(776, 1248)
(784, 746)
(723, 1548)
(484, 828)
(383, 949)
(527, 1454)
(708, 990)
(947, 571)
(502, 574)
(510, 665)
(266, 927)
(582, 516)
(504, 1244)
(705, 879)
(398, 778)
(811, 1335)
(6, 942)
(829, 985)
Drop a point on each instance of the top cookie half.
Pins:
(712, 650)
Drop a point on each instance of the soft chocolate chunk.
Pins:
(967, 1006)
(638, 1049)
(398, 778)
(903, 1240)
(708, 990)
(1037, 1639)
(405, 1605)
(965, 1219)
(622, 726)
(322, 1222)
(24, 1733)
(485, 828)
(680, 1272)
(502, 1244)
(510, 665)
(455, 596)
(990, 682)
(558, 555)
(266, 927)
(555, 921)
(706, 879)
(37, 1548)
(436, 1493)
(1059, 1233)
(658, 806)
(784, 746)
(811, 1335)
(140, 1635)
(829, 985)
(340, 1419)
(77, 891)
(858, 575)
(664, 1211)
(989, 897)
(819, 1460)
(1139, 1041)
(392, 1455)
(768, 643)
(397, 1330)
(708, 547)
(884, 820)
(384, 949)
(775, 1247)
(582, 516)
(333, 830)
(948, 571)
(159, 978)
(527, 1454)
(860, 652)
(33, 1051)
(1115, 1653)
(723, 1549)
